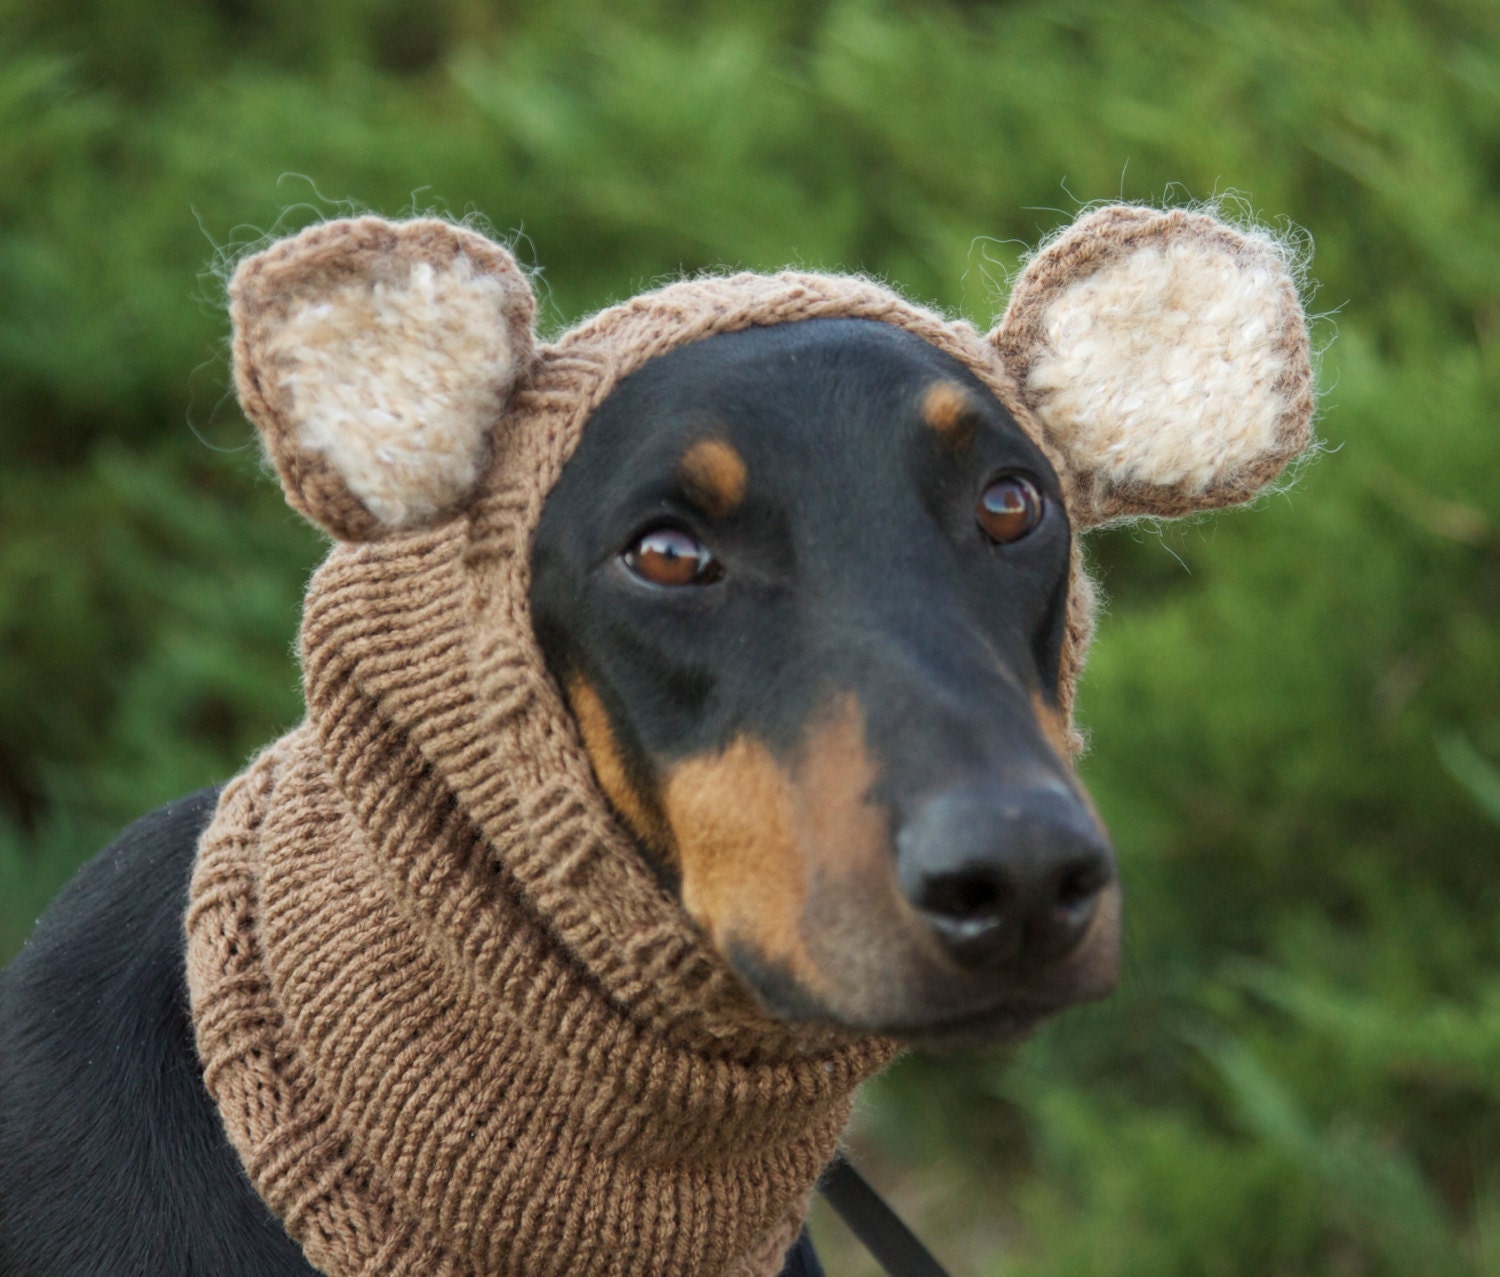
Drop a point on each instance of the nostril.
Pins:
(963, 897)
(1080, 883)
(972, 911)
(1075, 892)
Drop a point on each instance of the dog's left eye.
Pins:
(671, 555)
(1009, 508)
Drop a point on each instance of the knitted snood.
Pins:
(452, 1023)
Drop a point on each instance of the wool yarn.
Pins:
(451, 1021)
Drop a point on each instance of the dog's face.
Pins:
(805, 589)
(805, 584)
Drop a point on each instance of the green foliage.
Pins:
(1296, 714)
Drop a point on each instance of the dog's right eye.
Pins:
(672, 556)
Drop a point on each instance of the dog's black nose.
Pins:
(1004, 876)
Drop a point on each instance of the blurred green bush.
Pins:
(1296, 715)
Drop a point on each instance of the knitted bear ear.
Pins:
(1165, 355)
(374, 358)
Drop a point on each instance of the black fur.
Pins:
(112, 1157)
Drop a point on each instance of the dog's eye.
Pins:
(1009, 508)
(670, 555)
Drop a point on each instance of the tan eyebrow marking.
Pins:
(949, 409)
(716, 474)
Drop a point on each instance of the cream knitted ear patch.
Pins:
(396, 382)
(1166, 367)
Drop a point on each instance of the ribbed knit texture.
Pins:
(453, 1023)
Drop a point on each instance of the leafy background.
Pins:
(1296, 713)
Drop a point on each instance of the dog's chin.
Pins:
(926, 1023)
(1004, 1025)
(949, 1029)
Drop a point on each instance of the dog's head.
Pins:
(806, 570)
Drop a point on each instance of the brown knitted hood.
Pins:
(452, 1022)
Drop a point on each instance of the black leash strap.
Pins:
(878, 1227)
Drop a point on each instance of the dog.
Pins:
(810, 593)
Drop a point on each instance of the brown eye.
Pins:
(671, 556)
(1009, 508)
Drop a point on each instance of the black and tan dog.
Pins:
(810, 592)
(818, 570)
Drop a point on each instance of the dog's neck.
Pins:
(451, 1022)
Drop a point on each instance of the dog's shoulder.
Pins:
(111, 1156)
